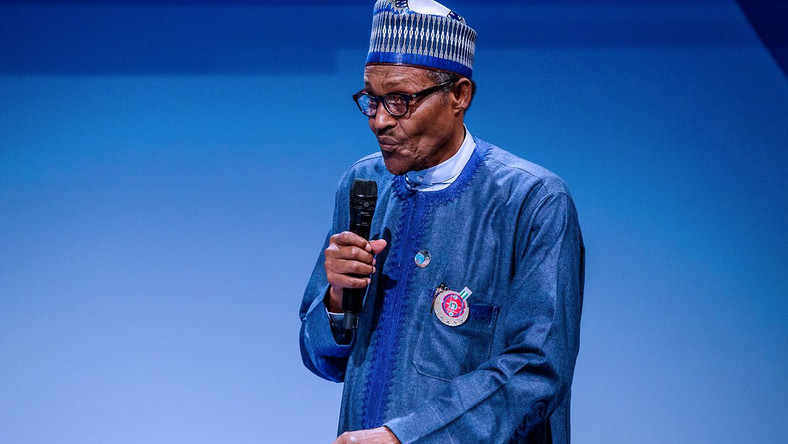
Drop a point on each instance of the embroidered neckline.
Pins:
(449, 193)
(417, 206)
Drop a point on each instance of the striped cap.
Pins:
(421, 33)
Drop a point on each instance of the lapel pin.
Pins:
(422, 258)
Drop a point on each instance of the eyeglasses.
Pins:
(395, 103)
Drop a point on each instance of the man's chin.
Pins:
(393, 165)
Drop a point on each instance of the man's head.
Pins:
(417, 83)
(431, 128)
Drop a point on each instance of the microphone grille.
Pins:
(363, 187)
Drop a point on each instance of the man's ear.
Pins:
(462, 94)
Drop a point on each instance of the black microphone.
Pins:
(363, 196)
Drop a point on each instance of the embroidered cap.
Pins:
(421, 33)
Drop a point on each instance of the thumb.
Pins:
(378, 245)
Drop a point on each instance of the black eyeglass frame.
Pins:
(407, 98)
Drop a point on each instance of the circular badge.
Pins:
(450, 308)
(422, 258)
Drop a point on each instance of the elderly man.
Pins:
(469, 329)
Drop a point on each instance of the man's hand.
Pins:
(349, 260)
(380, 435)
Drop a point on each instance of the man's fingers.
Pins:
(348, 239)
(346, 281)
(349, 259)
(344, 266)
(348, 437)
(378, 245)
(335, 252)
(380, 435)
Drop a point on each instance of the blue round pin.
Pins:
(422, 258)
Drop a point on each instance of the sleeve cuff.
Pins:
(342, 336)
(422, 424)
(319, 333)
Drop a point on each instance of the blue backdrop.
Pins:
(167, 174)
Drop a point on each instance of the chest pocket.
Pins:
(445, 352)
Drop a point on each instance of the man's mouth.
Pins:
(388, 144)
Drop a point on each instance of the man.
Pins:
(470, 327)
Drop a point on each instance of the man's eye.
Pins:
(395, 99)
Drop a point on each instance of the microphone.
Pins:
(363, 196)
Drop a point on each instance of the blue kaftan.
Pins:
(506, 229)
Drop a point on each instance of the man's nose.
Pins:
(382, 118)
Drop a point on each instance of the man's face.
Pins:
(426, 135)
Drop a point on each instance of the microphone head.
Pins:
(366, 188)
(363, 197)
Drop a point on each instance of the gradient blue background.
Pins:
(167, 175)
